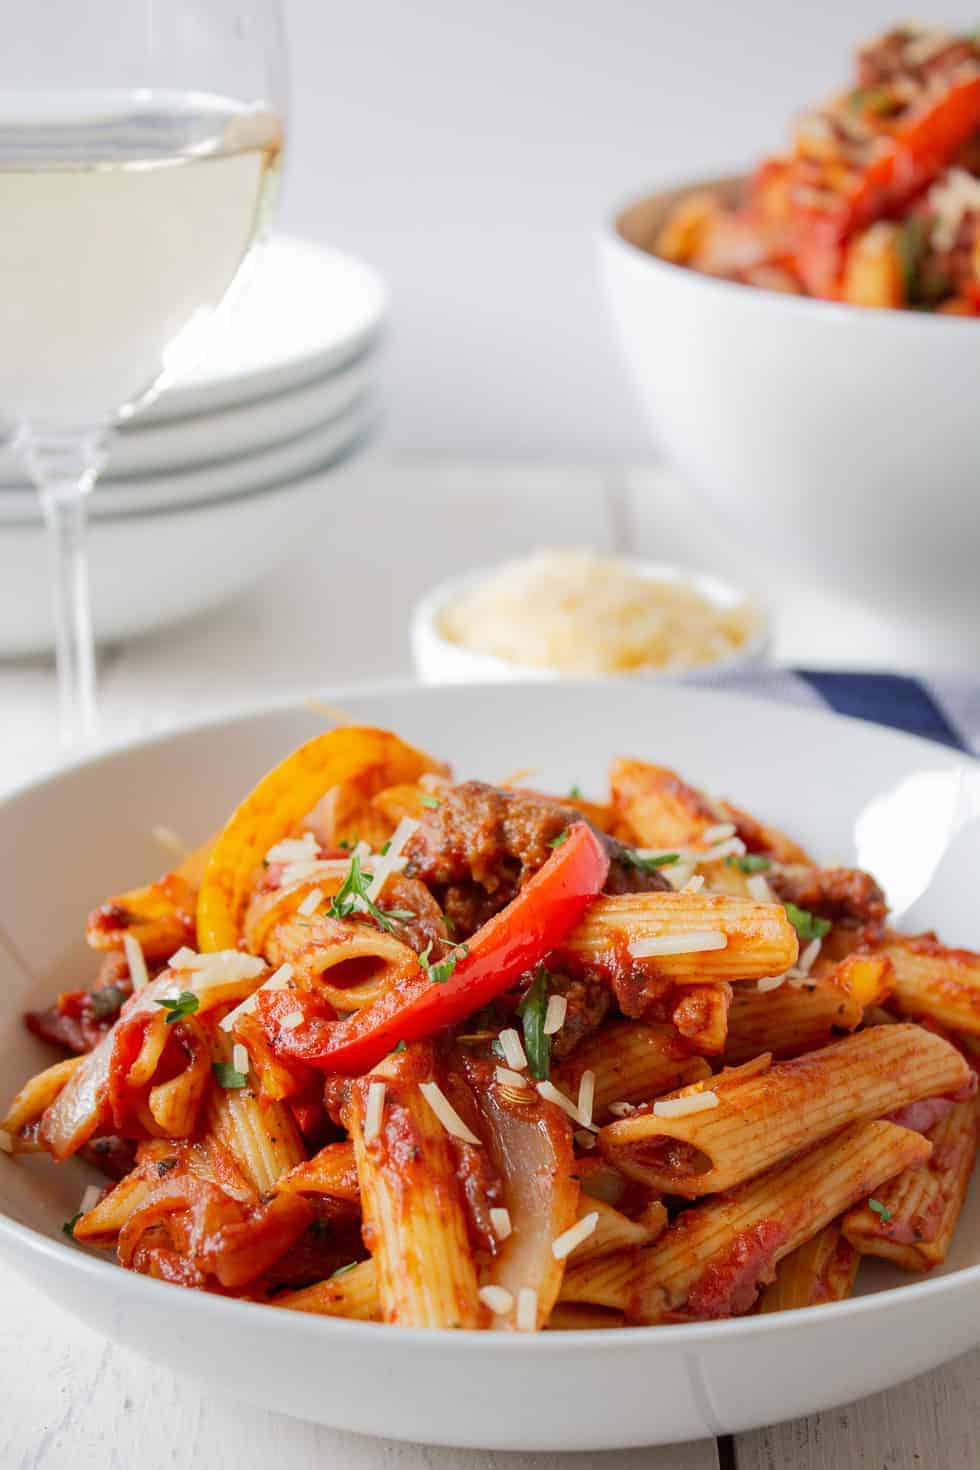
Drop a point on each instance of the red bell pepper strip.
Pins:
(513, 941)
(910, 158)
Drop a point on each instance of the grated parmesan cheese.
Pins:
(552, 1094)
(500, 1222)
(576, 612)
(759, 889)
(291, 1021)
(694, 884)
(446, 1113)
(696, 942)
(278, 980)
(808, 958)
(311, 902)
(508, 1078)
(772, 982)
(564, 1244)
(497, 1298)
(513, 1049)
(554, 1016)
(392, 860)
(294, 849)
(586, 1098)
(374, 1112)
(526, 1319)
(136, 961)
(90, 1198)
(720, 833)
(679, 1107)
(240, 1059)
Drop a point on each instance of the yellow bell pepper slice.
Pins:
(370, 757)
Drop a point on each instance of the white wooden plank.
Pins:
(72, 1399)
(931, 1422)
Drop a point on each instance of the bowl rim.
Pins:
(714, 589)
(16, 1239)
(612, 237)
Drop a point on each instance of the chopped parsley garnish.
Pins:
(532, 1011)
(432, 802)
(575, 792)
(440, 973)
(185, 1005)
(398, 1046)
(227, 1075)
(106, 1002)
(750, 862)
(497, 1049)
(557, 841)
(69, 1225)
(342, 1270)
(649, 864)
(807, 925)
(352, 898)
(882, 1211)
(383, 849)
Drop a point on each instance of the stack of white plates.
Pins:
(211, 485)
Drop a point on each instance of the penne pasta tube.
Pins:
(174, 1105)
(788, 1020)
(332, 1171)
(101, 1225)
(413, 1207)
(160, 917)
(763, 1119)
(715, 1257)
(631, 1061)
(657, 807)
(914, 1215)
(934, 981)
(351, 1292)
(37, 1095)
(639, 940)
(821, 1270)
(615, 1231)
(261, 1137)
(348, 964)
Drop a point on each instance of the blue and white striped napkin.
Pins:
(946, 709)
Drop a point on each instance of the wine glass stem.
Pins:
(64, 469)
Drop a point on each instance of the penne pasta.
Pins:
(631, 1061)
(821, 1270)
(912, 1219)
(262, 1137)
(615, 1231)
(486, 1055)
(351, 1292)
(715, 1257)
(730, 940)
(934, 981)
(37, 1095)
(332, 1171)
(414, 1217)
(349, 965)
(761, 1120)
(788, 1020)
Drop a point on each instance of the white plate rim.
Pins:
(573, 1341)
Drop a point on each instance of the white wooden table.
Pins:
(338, 614)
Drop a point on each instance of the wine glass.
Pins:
(139, 152)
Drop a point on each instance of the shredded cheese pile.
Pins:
(577, 613)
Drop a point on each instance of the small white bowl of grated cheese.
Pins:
(575, 613)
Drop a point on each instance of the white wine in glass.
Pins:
(126, 213)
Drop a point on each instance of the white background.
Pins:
(472, 150)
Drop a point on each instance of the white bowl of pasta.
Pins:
(554, 1111)
(843, 438)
